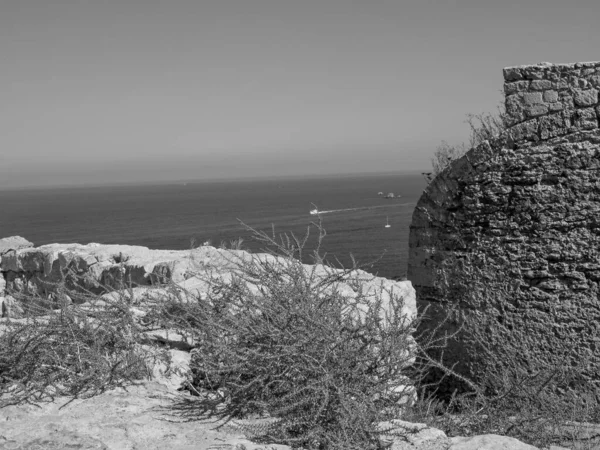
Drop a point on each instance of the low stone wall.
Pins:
(27, 271)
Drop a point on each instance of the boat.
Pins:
(387, 222)
(314, 211)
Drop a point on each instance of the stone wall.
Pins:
(33, 275)
(506, 241)
(545, 100)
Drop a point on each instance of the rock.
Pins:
(245, 444)
(11, 308)
(39, 270)
(59, 300)
(149, 416)
(403, 390)
(13, 243)
(96, 265)
(418, 436)
(578, 435)
(172, 339)
(489, 442)
(57, 439)
(175, 373)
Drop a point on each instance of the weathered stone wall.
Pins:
(29, 273)
(506, 241)
(545, 100)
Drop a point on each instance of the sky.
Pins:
(122, 91)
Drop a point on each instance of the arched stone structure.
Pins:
(505, 242)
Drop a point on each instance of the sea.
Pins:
(182, 215)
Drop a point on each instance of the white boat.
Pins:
(387, 222)
(314, 211)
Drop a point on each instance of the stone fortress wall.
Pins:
(545, 100)
(506, 241)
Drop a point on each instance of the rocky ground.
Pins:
(154, 414)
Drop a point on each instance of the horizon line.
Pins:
(179, 181)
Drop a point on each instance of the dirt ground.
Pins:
(145, 417)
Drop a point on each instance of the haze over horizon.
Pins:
(144, 90)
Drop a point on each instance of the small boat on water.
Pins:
(387, 222)
(314, 211)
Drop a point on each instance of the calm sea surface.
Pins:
(173, 216)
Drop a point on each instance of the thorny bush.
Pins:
(74, 348)
(281, 339)
(504, 393)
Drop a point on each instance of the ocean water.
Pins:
(175, 216)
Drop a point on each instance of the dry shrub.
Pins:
(483, 127)
(510, 391)
(279, 339)
(70, 349)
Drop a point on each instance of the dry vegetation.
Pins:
(273, 338)
(278, 341)
(482, 127)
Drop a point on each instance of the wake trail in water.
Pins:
(365, 207)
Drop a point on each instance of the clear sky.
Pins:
(95, 91)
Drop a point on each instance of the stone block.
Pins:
(514, 108)
(514, 87)
(566, 99)
(585, 119)
(417, 436)
(540, 85)
(552, 125)
(534, 72)
(587, 97)
(13, 243)
(512, 74)
(525, 131)
(595, 81)
(489, 442)
(550, 96)
(537, 110)
(532, 98)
